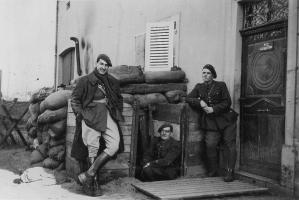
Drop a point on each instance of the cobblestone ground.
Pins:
(15, 160)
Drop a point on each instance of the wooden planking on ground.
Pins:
(196, 188)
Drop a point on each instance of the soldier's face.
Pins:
(207, 75)
(165, 133)
(102, 66)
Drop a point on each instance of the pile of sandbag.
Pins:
(150, 87)
(47, 127)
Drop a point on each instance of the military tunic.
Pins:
(164, 158)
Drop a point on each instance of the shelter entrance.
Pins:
(262, 99)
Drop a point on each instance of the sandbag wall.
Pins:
(47, 128)
(158, 88)
(118, 167)
(150, 87)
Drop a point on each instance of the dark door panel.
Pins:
(263, 103)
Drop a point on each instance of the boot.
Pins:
(231, 161)
(84, 177)
(87, 182)
(98, 163)
(88, 178)
(229, 177)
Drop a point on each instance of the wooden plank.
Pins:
(125, 123)
(195, 136)
(193, 126)
(195, 188)
(69, 107)
(193, 115)
(193, 154)
(70, 132)
(127, 120)
(168, 112)
(152, 88)
(71, 119)
(14, 125)
(195, 171)
(127, 139)
(121, 161)
(127, 148)
(133, 146)
(127, 112)
(126, 129)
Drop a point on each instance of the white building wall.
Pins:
(206, 31)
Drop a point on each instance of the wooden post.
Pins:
(288, 150)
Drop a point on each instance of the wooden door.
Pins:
(263, 99)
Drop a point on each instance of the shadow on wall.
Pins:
(87, 55)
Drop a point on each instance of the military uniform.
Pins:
(164, 158)
(219, 124)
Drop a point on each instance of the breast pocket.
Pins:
(216, 94)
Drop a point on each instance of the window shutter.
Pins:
(159, 46)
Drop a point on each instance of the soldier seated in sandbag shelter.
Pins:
(162, 159)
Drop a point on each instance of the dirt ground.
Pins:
(14, 160)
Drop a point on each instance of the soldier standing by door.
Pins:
(211, 98)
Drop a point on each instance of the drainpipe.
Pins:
(288, 156)
(56, 38)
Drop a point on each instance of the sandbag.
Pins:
(36, 157)
(39, 154)
(127, 74)
(60, 167)
(58, 128)
(34, 110)
(54, 151)
(31, 122)
(145, 100)
(41, 94)
(43, 135)
(56, 100)
(50, 163)
(43, 149)
(174, 96)
(55, 142)
(164, 76)
(32, 132)
(128, 98)
(51, 116)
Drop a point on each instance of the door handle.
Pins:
(263, 110)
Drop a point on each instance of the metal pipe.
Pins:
(79, 70)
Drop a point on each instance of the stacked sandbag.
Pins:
(127, 74)
(150, 87)
(41, 94)
(51, 130)
(36, 133)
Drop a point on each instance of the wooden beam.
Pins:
(15, 123)
(152, 88)
(16, 127)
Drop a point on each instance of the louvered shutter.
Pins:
(159, 46)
